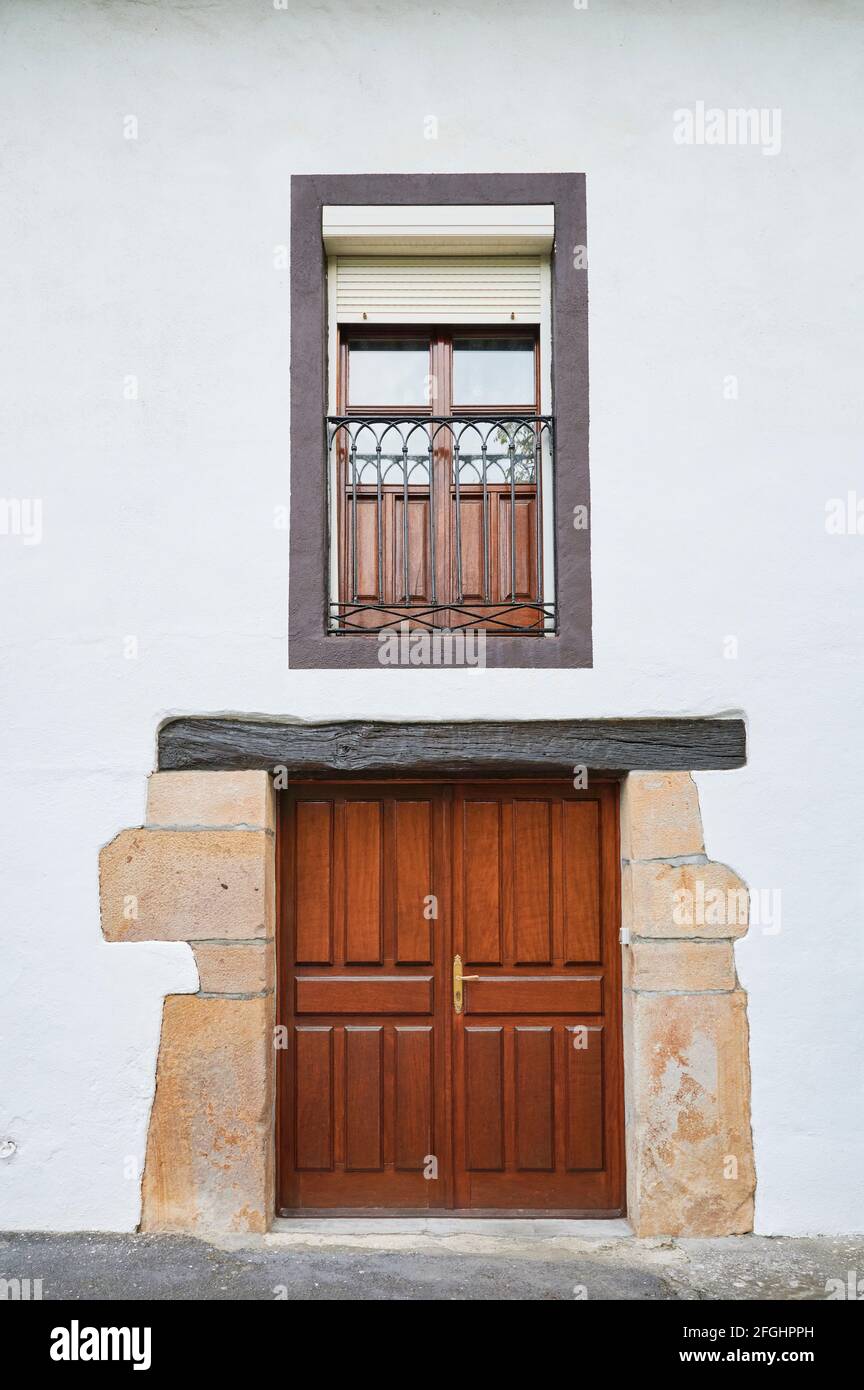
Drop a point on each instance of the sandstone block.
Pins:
(240, 969)
(690, 1154)
(691, 966)
(666, 900)
(210, 799)
(185, 885)
(209, 1164)
(660, 816)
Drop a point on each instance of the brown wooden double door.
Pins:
(389, 1096)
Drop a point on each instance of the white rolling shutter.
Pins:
(438, 289)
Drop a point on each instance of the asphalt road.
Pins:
(96, 1266)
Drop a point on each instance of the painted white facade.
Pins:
(145, 365)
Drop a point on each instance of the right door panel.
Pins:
(537, 1081)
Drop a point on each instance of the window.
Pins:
(439, 322)
(440, 453)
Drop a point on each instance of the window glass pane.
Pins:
(493, 371)
(388, 371)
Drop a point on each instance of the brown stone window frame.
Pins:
(311, 644)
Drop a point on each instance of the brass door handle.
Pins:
(458, 977)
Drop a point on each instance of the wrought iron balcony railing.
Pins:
(439, 522)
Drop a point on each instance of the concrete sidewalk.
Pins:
(328, 1261)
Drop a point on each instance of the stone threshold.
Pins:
(297, 1230)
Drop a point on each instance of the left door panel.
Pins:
(365, 1065)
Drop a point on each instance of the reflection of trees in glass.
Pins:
(524, 439)
(498, 436)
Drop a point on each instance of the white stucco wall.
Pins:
(154, 258)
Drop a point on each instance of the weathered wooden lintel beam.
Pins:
(534, 748)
